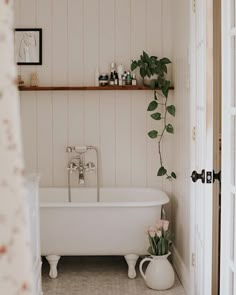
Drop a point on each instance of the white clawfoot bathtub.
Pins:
(114, 226)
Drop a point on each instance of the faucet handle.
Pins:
(71, 167)
(90, 166)
(69, 149)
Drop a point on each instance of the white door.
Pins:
(228, 203)
(202, 148)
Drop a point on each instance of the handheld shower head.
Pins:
(80, 149)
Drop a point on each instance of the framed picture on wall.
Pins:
(28, 46)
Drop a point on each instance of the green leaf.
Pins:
(152, 106)
(170, 128)
(134, 65)
(153, 84)
(171, 110)
(153, 134)
(169, 177)
(165, 88)
(143, 72)
(165, 61)
(156, 116)
(173, 175)
(162, 171)
(145, 56)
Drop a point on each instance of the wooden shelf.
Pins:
(82, 88)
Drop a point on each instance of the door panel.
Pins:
(228, 207)
(203, 146)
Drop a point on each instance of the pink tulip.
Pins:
(159, 233)
(165, 225)
(159, 225)
(151, 231)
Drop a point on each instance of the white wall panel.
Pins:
(45, 138)
(27, 20)
(107, 36)
(108, 138)
(138, 27)
(91, 129)
(123, 32)
(76, 65)
(60, 42)
(91, 40)
(139, 139)
(123, 139)
(76, 118)
(60, 137)
(29, 130)
(155, 27)
(78, 36)
(44, 21)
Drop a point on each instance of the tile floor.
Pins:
(98, 276)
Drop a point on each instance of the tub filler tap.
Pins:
(77, 163)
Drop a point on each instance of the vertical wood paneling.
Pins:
(78, 36)
(155, 30)
(60, 136)
(60, 43)
(123, 28)
(167, 51)
(44, 138)
(138, 27)
(139, 139)
(91, 125)
(153, 162)
(75, 42)
(123, 139)
(29, 130)
(107, 36)
(44, 100)
(16, 9)
(44, 21)
(27, 20)
(108, 138)
(154, 46)
(76, 118)
(75, 123)
(91, 40)
(167, 39)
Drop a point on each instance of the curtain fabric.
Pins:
(15, 251)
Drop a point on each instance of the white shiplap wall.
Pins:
(182, 141)
(78, 36)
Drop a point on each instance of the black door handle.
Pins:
(196, 176)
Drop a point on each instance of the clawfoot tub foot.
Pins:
(53, 261)
(131, 260)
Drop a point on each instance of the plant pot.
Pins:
(159, 274)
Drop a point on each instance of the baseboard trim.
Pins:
(181, 270)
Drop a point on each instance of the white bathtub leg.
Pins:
(53, 261)
(131, 260)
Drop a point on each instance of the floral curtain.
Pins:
(15, 252)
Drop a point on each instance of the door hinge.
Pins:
(193, 259)
(194, 6)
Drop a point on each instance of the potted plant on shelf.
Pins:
(154, 70)
(159, 274)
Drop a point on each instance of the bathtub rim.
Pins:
(162, 201)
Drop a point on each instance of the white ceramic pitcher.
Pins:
(159, 274)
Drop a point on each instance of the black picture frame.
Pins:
(28, 46)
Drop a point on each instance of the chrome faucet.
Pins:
(78, 163)
(81, 174)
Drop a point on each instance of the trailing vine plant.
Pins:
(155, 69)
